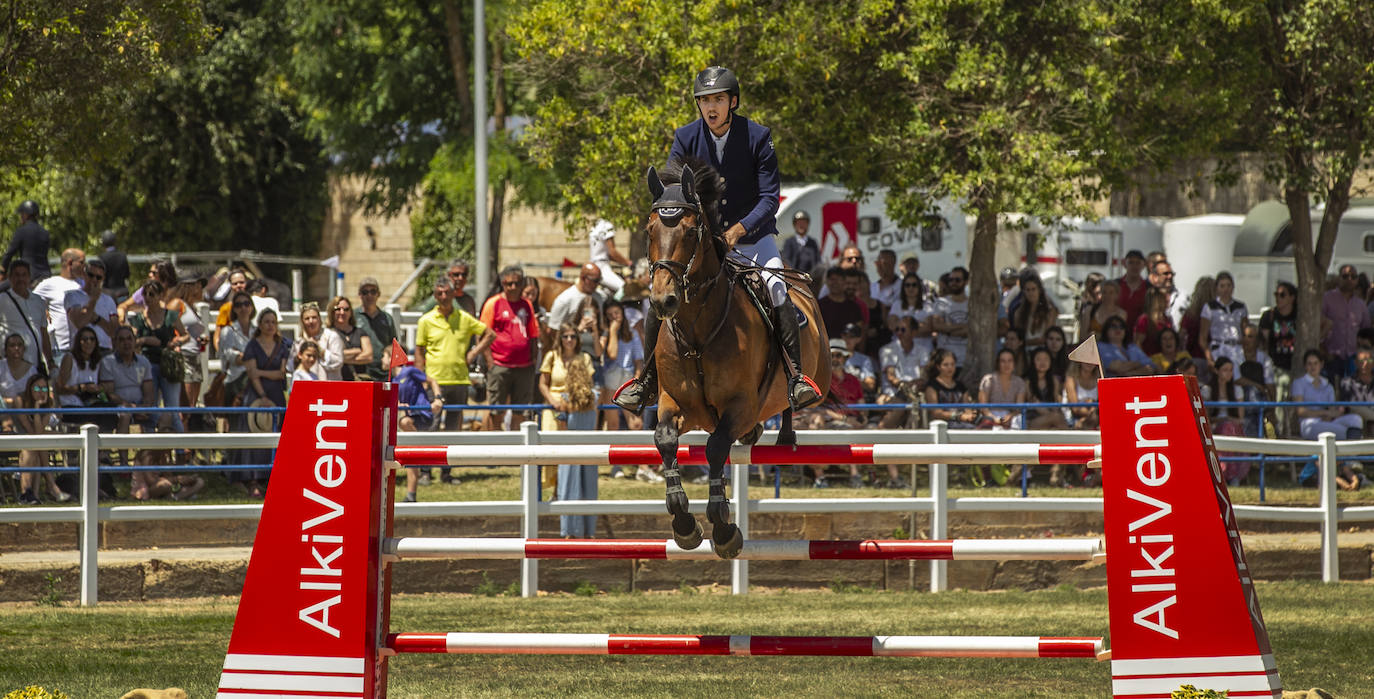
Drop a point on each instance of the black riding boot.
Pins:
(801, 391)
(635, 394)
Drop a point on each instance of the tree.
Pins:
(221, 159)
(999, 105)
(66, 67)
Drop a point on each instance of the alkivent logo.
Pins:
(1153, 584)
(324, 544)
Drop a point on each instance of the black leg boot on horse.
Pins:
(802, 392)
(637, 392)
(686, 531)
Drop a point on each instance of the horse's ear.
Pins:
(689, 186)
(655, 187)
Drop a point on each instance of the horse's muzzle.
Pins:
(665, 307)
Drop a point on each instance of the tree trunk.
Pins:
(1311, 276)
(983, 295)
(458, 53)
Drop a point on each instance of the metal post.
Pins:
(939, 512)
(1326, 471)
(739, 492)
(529, 518)
(297, 289)
(90, 512)
(393, 310)
(481, 230)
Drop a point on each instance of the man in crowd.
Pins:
(127, 378)
(801, 252)
(442, 336)
(951, 321)
(378, 325)
(238, 281)
(901, 361)
(850, 258)
(564, 311)
(887, 288)
(30, 242)
(458, 272)
(839, 307)
(511, 319)
(53, 290)
(25, 313)
(1347, 313)
(1162, 278)
(603, 253)
(116, 267)
(414, 389)
(94, 308)
(1133, 287)
(859, 364)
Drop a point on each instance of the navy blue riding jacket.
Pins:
(750, 170)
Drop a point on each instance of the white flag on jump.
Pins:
(1086, 352)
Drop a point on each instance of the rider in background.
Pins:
(742, 152)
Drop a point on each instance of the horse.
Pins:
(718, 369)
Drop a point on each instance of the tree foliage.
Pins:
(66, 67)
(997, 104)
(221, 159)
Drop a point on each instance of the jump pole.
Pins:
(762, 455)
(314, 614)
(754, 549)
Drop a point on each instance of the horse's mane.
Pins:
(709, 185)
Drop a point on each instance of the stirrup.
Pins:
(805, 381)
(628, 398)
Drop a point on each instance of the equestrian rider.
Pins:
(742, 152)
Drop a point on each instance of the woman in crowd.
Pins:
(1227, 420)
(1154, 319)
(531, 293)
(1080, 391)
(78, 381)
(1096, 316)
(943, 387)
(1058, 345)
(331, 343)
(189, 293)
(1042, 386)
(624, 353)
(1002, 386)
(1036, 313)
(1121, 358)
(565, 380)
(1014, 341)
(15, 372)
(357, 346)
(1222, 321)
(157, 328)
(1203, 292)
(1170, 353)
(233, 341)
(1313, 420)
(35, 394)
(1089, 296)
(265, 361)
(589, 331)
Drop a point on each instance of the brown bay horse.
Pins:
(718, 368)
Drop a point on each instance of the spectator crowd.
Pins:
(75, 337)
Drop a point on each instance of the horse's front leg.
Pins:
(686, 531)
(725, 535)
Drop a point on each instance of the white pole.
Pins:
(480, 230)
(939, 512)
(739, 492)
(90, 513)
(529, 518)
(1326, 471)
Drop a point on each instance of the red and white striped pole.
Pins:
(754, 549)
(762, 455)
(654, 644)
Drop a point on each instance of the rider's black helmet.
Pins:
(715, 79)
(28, 208)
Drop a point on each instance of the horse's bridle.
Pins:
(671, 206)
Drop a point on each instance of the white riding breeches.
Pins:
(764, 253)
(609, 278)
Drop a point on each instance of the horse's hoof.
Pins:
(753, 435)
(690, 540)
(728, 541)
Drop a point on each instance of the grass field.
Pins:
(1321, 636)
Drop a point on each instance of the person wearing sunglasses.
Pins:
(1347, 313)
(92, 306)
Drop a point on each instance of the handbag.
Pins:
(214, 395)
(173, 365)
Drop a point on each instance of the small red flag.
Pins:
(398, 355)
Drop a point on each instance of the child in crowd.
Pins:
(308, 367)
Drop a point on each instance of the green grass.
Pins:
(1320, 635)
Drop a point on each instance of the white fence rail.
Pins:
(938, 505)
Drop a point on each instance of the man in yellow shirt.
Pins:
(442, 337)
